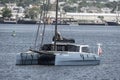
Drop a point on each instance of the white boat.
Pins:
(10, 21)
(66, 54)
(62, 52)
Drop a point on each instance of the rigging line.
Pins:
(44, 16)
(46, 12)
(38, 28)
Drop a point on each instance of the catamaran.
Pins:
(59, 52)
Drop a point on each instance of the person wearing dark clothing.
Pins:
(59, 38)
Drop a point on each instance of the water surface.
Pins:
(108, 36)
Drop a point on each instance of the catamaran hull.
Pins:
(56, 59)
(27, 58)
(78, 62)
(77, 59)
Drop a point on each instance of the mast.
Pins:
(55, 47)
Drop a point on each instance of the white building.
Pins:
(87, 16)
(52, 1)
(17, 12)
(92, 16)
(106, 10)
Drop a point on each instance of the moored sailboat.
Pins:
(60, 52)
(66, 54)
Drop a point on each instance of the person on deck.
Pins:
(58, 37)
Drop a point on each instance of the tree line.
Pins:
(31, 13)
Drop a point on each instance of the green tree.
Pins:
(25, 3)
(32, 13)
(4, 1)
(6, 13)
(101, 18)
(69, 9)
(7, 1)
(100, 5)
(83, 4)
(112, 5)
(72, 1)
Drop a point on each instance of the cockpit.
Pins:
(66, 47)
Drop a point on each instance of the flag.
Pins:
(99, 50)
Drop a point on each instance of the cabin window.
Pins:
(60, 48)
(73, 48)
(46, 47)
(85, 49)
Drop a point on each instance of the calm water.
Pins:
(108, 36)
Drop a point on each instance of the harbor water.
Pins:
(108, 36)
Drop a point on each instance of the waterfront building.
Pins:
(17, 11)
(86, 16)
(93, 16)
(106, 10)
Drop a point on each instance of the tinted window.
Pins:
(60, 48)
(85, 49)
